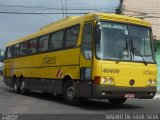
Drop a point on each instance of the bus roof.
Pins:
(72, 20)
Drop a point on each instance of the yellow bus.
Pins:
(96, 56)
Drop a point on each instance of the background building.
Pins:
(148, 10)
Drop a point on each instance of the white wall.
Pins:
(145, 8)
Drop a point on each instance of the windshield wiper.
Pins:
(120, 55)
(134, 49)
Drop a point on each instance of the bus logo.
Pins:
(49, 60)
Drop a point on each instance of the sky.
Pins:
(13, 26)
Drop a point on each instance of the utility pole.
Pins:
(119, 10)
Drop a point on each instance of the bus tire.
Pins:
(16, 87)
(23, 89)
(117, 101)
(69, 94)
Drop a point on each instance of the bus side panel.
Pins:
(46, 71)
(45, 85)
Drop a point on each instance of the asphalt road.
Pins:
(37, 103)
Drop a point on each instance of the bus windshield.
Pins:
(124, 42)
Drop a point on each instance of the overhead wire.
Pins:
(55, 8)
(63, 8)
(141, 14)
(22, 6)
(41, 13)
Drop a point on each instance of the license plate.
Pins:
(129, 95)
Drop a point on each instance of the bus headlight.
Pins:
(104, 80)
(153, 82)
(110, 80)
(107, 80)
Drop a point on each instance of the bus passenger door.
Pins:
(85, 89)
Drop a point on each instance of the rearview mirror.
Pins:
(97, 32)
(155, 45)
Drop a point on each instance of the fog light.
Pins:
(149, 82)
(110, 80)
(103, 93)
(151, 94)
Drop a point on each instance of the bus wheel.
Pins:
(23, 90)
(117, 101)
(69, 94)
(16, 88)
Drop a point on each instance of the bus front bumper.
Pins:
(107, 92)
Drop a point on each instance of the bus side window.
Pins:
(43, 43)
(57, 40)
(8, 52)
(24, 48)
(87, 40)
(16, 50)
(72, 36)
(32, 46)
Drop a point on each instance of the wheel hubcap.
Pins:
(15, 87)
(22, 85)
(71, 92)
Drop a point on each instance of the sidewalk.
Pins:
(157, 96)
